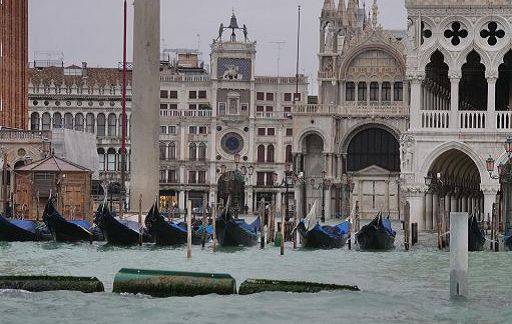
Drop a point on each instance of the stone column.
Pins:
(435, 210)
(181, 200)
(454, 102)
(145, 115)
(489, 200)
(454, 204)
(464, 203)
(447, 203)
(491, 94)
(417, 205)
(428, 211)
(299, 201)
(416, 103)
(386, 198)
(327, 201)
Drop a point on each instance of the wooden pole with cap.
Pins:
(189, 229)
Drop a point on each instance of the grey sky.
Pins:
(91, 30)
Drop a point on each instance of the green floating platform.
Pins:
(51, 283)
(172, 283)
(254, 286)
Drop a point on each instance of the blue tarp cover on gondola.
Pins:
(130, 224)
(387, 225)
(82, 223)
(344, 227)
(249, 227)
(24, 224)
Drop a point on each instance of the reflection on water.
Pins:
(396, 286)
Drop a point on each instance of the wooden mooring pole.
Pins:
(140, 219)
(204, 224)
(189, 229)
(295, 218)
(283, 226)
(261, 214)
(407, 226)
(214, 225)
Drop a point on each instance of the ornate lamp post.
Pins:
(290, 177)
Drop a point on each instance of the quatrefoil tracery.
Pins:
(426, 32)
(456, 33)
(492, 33)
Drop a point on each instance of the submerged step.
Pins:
(254, 286)
(51, 283)
(158, 283)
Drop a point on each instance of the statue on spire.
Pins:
(375, 14)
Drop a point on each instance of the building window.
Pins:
(101, 125)
(163, 130)
(173, 94)
(202, 130)
(192, 130)
(163, 106)
(164, 94)
(374, 91)
(202, 152)
(261, 131)
(270, 179)
(192, 177)
(289, 154)
(386, 91)
(269, 108)
(261, 153)
(171, 176)
(79, 122)
(244, 108)
(298, 96)
(201, 177)
(111, 159)
(163, 152)
(202, 94)
(270, 153)
(47, 121)
(192, 152)
(171, 130)
(260, 108)
(361, 91)
(89, 123)
(57, 120)
(222, 109)
(162, 176)
(260, 96)
(68, 121)
(260, 179)
(233, 106)
(289, 132)
(271, 131)
(192, 94)
(287, 97)
(34, 121)
(270, 96)
(173, 106)
(112, 125)
(349, 91)
(172, 151)
(398, 91)
(287, 109)
(192, 107)
(101, 156)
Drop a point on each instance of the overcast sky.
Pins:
(91, 30)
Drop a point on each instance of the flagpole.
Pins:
(298, 57)
(123, 128)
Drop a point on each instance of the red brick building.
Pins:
(14, 63)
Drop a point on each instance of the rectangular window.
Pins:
(261, 131)
(163, 106)
(287, 109)
(163, 152)
(374, 91)
(260, 178)
(287, 97)
(192, 94)
(192, 130)
(244, 108)
(202, 130)
(269, 108)
(201, 177)
(270, 178)
(202, 94)
(173, 106)
(173, 94)
(171, 176)
(192, 177)
(350, 91)
(260, 96)
(164, 94)
(163, 130)
(192, 107)
(398, 91)
(298, 96)
(271, 131)
(222, 109)
(162, 176)
(270, 96)
(289, 132)
(260, 108)
(172, 130)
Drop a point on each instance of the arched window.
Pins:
(112, 125)
(111, 159)
(79, 122)
(361, 91)
(350, 91)
(289, 154)
(398, 91)
(68, 121)
(386, 91)
(47, 121)
(261, 153)
(163, 151)
(374, 91)
(34, 121)
(101, 125)
(172, 151)
(120, 128)
(192, 152)
(57, 120)
(202, 152)
(89, 123)
(270, 153)
(101, 156)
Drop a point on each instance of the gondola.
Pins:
(507, 239)
(13, 230)
(166, 232)
(236, 232)
(324, 237)
(377, 235)
(476, 236)
(63, 230)
(116, 231)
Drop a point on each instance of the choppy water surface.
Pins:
(396, 286)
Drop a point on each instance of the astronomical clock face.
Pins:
(235, 69)
(232, 143)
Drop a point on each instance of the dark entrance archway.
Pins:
(373, 146)
(232, 184)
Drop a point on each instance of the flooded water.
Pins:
(397, 286)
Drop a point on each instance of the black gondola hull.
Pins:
(12, 233)
(317, 240)
(375, 237)
(61, 229)
(229, 233)
(476, 237)
(116, 233)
